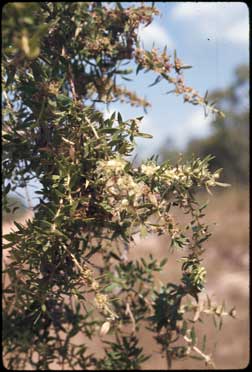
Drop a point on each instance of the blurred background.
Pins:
(214, 39)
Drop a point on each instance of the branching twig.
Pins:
(129, 312)
(93, 128)
(207, 358)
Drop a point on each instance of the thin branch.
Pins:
(56, 215)
(71, 81)
(7, 99)
(93, 128)
(129, 312)
(207, 358)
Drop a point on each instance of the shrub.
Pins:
(70, 272)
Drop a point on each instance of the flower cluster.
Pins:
(161, 64)
(127, 187)
(117, 22)
(111, 167)
(186, 175)
(121, 190)
(46, 89)
(180, 174)
(125, 94)
(99, 45)
(149, 168)
(151, 60)
(101, 301)
(143, 14)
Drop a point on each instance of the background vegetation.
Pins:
(229, 140)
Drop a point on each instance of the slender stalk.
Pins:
(207, 358)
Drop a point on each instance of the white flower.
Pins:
(111, 167)
(125, 202)
(105, 328)
(117, 165)
(170, 174)
(149, 169)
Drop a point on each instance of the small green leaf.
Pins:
(114, 255)
(125, 78)
(193, 336)
(204, 343)
(184, 328)
(205, 96)
(143, 231)
(144, 135)
(55, 177)
(139, 68)
(119, 118)
(163, 262)
(7, 188)
(63, 100)
(185, 67)
(156, 81)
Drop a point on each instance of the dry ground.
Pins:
(227, 262)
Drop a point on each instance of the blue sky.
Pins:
(213, 37)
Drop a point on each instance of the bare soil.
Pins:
(227, 263)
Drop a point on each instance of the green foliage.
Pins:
(70, 273)
(124, 354)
